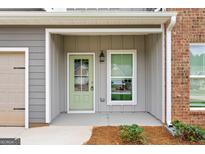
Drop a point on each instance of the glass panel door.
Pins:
(80, 83)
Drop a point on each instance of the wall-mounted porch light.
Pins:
(102, 57)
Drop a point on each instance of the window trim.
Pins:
(195, 77)
(134, 77)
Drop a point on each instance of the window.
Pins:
(197, 75)
(81, 74)
(121, 77)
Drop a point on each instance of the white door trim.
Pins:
(26, 52)
(68, 74)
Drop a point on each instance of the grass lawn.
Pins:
(157, 135)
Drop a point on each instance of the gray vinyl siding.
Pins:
(34, 39)
(149, 68)
(98, 43)
(154, 75)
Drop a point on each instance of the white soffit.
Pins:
(91, 18)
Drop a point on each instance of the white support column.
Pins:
(48, 99)
(168, 70)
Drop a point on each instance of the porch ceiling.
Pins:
(92, 18)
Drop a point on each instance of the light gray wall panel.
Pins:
(98, 43)
(22, 43)
(37, 101)
(37, 75)
(37, 95)
(22, 37)
(37, 114)
(37, 108)
(37, 88)
(37, 49)
(4, 30)
(37, 82)
(34, 39)
(37, 62)
(57, 76)
(154, 75)
(37, 56)
(37, 69)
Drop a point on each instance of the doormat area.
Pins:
(10, 141)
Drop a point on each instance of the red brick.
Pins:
(189, 28)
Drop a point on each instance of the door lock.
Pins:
(91, 88)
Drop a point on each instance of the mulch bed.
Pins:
(157, 135)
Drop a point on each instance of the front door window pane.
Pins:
(85, 64)
(81, 72)
(77, 83)
(85, 83)
(77, 66)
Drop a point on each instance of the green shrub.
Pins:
(189, 132)
(132, 134)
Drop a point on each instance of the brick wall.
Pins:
(189, 28)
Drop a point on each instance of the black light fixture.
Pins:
(102, 56)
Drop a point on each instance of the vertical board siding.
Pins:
(34, 39)
(98, 43)
(58, 76)
(154, 76)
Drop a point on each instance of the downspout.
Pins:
(168, 70)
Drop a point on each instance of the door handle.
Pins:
(18, 68)
(18, 108)
(91, 88)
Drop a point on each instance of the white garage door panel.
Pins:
(12, 89)
(12, 118)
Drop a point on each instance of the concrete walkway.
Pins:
(75, 129)
(49, 135)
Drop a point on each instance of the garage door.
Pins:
(12, 90)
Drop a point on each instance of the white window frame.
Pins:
(134, 77)
(195, 77)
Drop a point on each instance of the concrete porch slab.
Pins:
(106, 119)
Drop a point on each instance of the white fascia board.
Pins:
(85, 14)
(73, 18)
